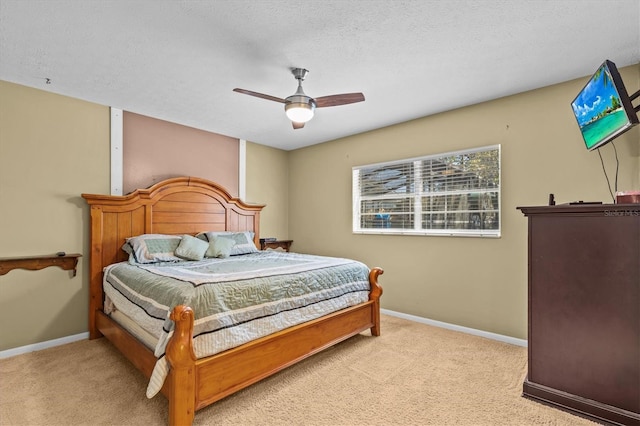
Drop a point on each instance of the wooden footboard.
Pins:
(198, 383)
(193, 383)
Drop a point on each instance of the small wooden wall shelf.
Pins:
(68, 262)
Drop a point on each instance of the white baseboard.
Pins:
(69, 339)
(43, 345)
(481, 333)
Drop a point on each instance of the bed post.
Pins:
(95, 271)
(182, 393)
(374, 295)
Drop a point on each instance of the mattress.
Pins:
(235, 300)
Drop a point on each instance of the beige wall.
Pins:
(52, 149)
(266, 183)
(474, 282)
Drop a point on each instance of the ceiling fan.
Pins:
(299, 107)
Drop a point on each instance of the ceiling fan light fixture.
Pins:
(299, 112)
(299, 107)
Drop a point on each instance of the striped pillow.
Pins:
(152, 248)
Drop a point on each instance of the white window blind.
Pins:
(455, 193)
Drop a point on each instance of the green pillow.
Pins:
(219, 247)
(243, 240)
(191, 248)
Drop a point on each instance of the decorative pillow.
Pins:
(191, 248)
(220, 246)
(152, 248)
(243, 241)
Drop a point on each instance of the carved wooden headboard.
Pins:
(183, 205)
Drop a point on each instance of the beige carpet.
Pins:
(413, 374)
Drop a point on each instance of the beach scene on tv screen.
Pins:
(598, 109)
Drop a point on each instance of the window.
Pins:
(456, 193)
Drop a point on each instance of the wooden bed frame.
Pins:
(188, 205)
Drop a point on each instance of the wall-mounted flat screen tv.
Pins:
(603, 108)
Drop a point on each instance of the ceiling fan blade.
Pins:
(260, 95)
(297, 125)
(335, 100)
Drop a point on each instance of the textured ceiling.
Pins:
(180, 60)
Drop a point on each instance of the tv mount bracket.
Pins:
(633, 97)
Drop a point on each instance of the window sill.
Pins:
(444, 233)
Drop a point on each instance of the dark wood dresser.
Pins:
(584, 309)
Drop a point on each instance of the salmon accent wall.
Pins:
(154, 150)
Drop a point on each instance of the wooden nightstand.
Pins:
(283, 244)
